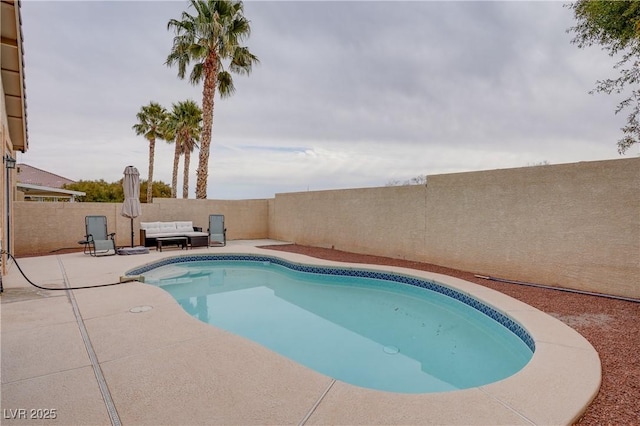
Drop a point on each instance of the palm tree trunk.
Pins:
(185, 178)
(208, 92)
(152, 153)
(176, 161)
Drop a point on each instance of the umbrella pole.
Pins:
(131, 232)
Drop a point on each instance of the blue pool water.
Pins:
(370, 332)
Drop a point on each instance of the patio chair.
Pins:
(217, 231)
(97, 240)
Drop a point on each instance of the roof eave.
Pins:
(12, 68)
(47, 191)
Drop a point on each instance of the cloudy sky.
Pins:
(347, 94)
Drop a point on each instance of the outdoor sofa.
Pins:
(151, 231)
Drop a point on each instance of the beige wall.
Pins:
(3, 108)
(388, 221)
(571, 225)
(574, 225)
(43, 227)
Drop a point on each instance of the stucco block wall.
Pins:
(43, 227)
(387, 221)
(572, 225)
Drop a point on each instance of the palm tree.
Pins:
(187, 148)
(183, 127)
(207, 38)
(171, 138)
(150, 122)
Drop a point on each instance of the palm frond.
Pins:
(150, 119)
(242, 61)
(184, 122)
(214, 30)
(225, 84)
(197, 74)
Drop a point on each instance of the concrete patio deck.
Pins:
(128, 354)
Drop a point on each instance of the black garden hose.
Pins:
(565, 289)
(50, 288)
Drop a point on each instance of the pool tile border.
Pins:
(487, 310)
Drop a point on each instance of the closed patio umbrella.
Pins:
(131, 185)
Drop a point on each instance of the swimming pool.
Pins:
(372, 329)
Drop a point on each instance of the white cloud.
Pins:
(347, 94)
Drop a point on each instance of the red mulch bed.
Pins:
(611, 326)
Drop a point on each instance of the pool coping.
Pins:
(153, 360)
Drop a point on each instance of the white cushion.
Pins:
(150, 227)
(184, 226)
(167, 234)
(167, 227)
(170, 229)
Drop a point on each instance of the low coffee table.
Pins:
(171, 241)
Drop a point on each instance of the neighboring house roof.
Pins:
(37, 191)
(37, 184)
(12, 68)
(34, 176)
